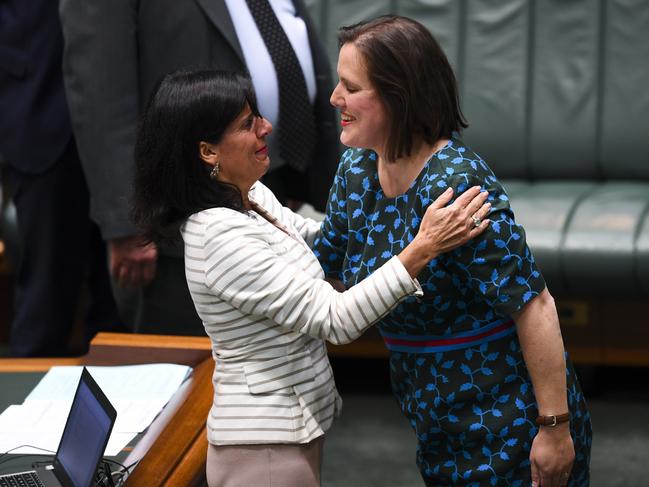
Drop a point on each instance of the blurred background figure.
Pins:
(115, 54)
(59, 247)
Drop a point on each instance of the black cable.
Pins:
(121, 465)
(121, 472)
(126, 471)
(103, 475)
(24, 454)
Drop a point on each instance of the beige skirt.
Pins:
(274, 465)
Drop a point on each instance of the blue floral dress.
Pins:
(456, 365)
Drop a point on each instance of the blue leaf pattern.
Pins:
(472, 410)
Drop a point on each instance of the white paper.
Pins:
(138, 393)
(133, 382)
(50, 443)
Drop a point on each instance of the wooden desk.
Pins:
(177, 457)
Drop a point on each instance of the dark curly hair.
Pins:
(171, 180)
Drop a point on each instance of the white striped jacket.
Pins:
(265, 306)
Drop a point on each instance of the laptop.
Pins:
(82, 445)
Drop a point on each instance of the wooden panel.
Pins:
(581, 328)
(178, 455)
(584, 355)
(626, 332)
(190, 471)
(182, 444)
(34, 364)
(126, 348)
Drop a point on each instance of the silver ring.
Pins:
(476, 221)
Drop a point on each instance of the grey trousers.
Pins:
(275, 465)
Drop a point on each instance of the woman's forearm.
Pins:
(552, 453)
(542, 345)
(415, 257)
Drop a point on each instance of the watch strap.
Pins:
(552, 419)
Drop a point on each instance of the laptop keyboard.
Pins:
(26, 479)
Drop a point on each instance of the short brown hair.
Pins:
(413, 77)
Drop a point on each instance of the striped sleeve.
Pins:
(308, 228)
(244, 271)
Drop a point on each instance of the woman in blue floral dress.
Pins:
(477, 364)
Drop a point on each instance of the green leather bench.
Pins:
(557, 97)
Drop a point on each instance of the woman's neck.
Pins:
(245, 196)
(396, 176)
(246, 202)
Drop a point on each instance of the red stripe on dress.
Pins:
(447, 341)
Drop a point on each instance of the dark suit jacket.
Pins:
(34, 123)
(115, 53)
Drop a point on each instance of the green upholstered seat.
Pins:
(557, 97)
(587, 236)
(642, 255)
(545, 210)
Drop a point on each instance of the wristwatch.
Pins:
(552, 419)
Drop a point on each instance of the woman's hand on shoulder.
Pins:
(444, 228)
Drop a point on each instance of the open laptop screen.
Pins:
(86, 434)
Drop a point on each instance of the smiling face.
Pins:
(242, 152)
(363, 117)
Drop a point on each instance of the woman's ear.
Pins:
(208, 152)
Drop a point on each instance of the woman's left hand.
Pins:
(552, 456)
(445, 228)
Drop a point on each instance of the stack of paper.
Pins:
(137, 392)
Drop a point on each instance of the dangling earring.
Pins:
(214, 173)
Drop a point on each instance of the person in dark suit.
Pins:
(59, 245)
(115, 53)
